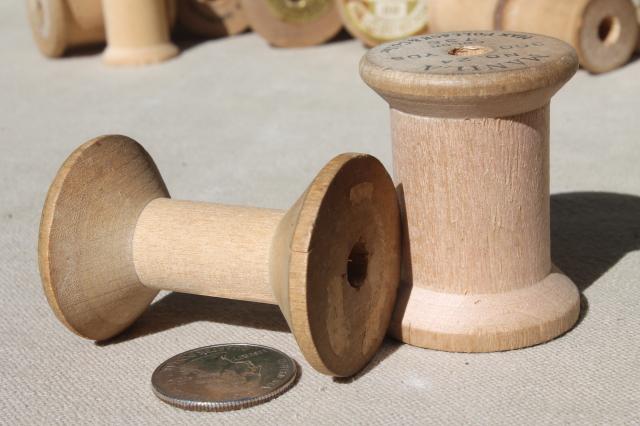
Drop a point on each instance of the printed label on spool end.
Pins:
(467, 52)
(299, 11)
(385, 20)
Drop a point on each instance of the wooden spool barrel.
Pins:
(138, 32)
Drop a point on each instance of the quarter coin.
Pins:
(223, 377)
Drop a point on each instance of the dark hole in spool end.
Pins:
(609, 30)
(296, 4)
(357, 265)
(469, 51)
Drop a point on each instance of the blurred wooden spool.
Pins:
(380, 21)
(138, 32)
(212, 18)
(293, 23)
(60, 25)
(110, 238)
(604, 32)
(470, 133)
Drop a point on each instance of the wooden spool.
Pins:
(470, 133)
(138, 32)
(293, 23)
(380, 21)
(213, 18)
(59, 25)
(604, 32)
(110, 238)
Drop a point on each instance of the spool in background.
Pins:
(61, 25)
(380, 21)
(137, 32)
(291, 23)
(212, 18)
(603, 32)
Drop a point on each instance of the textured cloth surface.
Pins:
(235, 121)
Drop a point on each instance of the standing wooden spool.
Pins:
(380, 21)
(138, 32)
(212, 18)
(470, 133)
(293, 23)
(59, 25)
(110, 238)
(604, 32)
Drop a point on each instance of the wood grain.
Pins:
(186, 247)
(331, 262)
(86, 231)
(470, 134)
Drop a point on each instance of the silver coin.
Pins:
(223, 377)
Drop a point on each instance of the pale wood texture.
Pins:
(604, 32)
(332, 261)
(343, 263)
(293, 23)
(474, 187)
(487, 210)
(88, 221)
(187, 247)
(380, 21)
(137, 32)
(58, 25)
(502, 73)
(212, 18)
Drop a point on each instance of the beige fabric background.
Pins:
(238, 122)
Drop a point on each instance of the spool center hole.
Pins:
(357, 265)
(297, 4)
(469, 51)
(609, 30)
